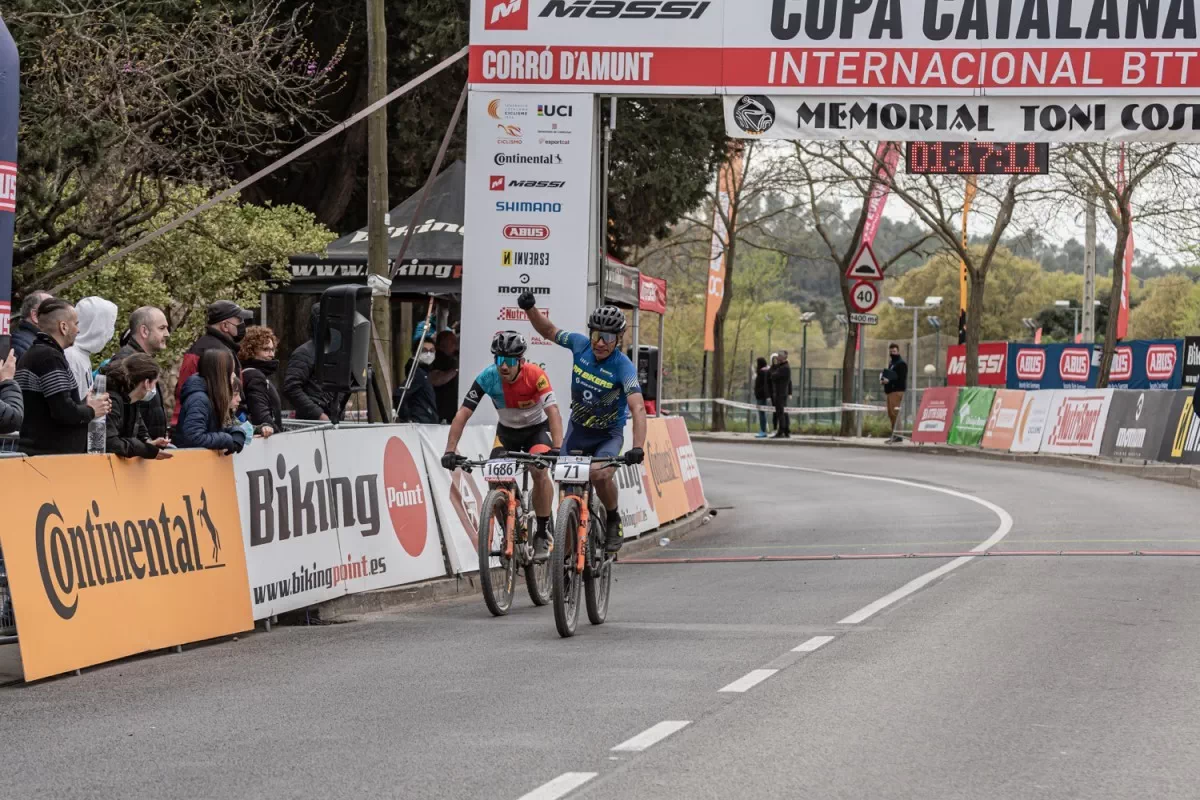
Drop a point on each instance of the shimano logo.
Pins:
(546, 208)
(626, 9)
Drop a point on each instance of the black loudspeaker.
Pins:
(647, 371)
(344, 334)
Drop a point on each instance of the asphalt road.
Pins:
(1020, 676)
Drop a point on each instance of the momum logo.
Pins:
(75, 555)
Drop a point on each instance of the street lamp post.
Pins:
(936, 324)
(899, 304)
(1032, 325)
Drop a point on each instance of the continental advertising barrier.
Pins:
(935, 415)
(1076, 422)
(1181, 443)
(1136, 424)
(971, 416)
(668, 487)
(1002, 423)
(108, 557)
(1032, 422)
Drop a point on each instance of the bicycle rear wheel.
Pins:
(597, 582)
(497, 584)
(564, 580)
(537, 581)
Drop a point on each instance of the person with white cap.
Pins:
(97, 324)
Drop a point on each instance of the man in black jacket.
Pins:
(781, 390)
(226, 328)
(148, 333)
(301, 386)
(24, 334)
(894, 380)
(419, 404)
(56, 417)
(762, 394)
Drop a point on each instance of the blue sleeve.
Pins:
(629, 377)
(192, 430)
(577, 343)
(487, 383)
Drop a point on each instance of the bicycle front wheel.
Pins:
(598, 581)
(497, 583)
(564, 580)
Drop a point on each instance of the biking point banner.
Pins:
(971, 416)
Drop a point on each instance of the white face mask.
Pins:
(150, 395)
(426, 357)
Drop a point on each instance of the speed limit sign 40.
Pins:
(864, 297)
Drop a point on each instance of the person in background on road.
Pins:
(226, 329)
(148, 333)
(56, 415)
(97, 324)
(894, 380)
(12, 403)
(443, 373)
(130, 383)
(761, 394)
(419, 404)
(206, 417)
(781, 390)
(301, 386)
(25, 332)
(262, 404)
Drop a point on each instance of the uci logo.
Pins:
(555, 111)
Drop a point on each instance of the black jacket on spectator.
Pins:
(198, 424)
(262, 403)
(762, 384)
(152, 412)
(22, 337)
(781, 382)
(126, 434)
(301, 387)
(420, 404)
(212, 339)
(12, 407)
(56, 418)
(895, 377)
(447, 393)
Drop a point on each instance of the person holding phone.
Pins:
(12, 403)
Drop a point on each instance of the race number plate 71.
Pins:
(500, 471)
(573, 469)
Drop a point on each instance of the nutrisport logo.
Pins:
(77, 553)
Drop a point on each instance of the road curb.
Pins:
(455, 586)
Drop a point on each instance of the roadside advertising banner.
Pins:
(688, 466)
(389, 533)
(636, 495)
(292, 508)
(993, 364)
(459, 495)
(1076, 422)
(1050, 366)
(935, 415)
(108, 557)
(1002, 422)
(971, 416)
(1136, 424)
(668, 488)
(1033, 421)
(1191, 362)
(1181, 443)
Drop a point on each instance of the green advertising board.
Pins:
(971, 416)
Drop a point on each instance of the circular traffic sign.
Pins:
(864, 297)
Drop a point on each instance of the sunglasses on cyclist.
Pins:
(601, 336)
(508, 361)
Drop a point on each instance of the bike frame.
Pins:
(583, 496)
(513, 492)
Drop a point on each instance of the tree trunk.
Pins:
(977, 279)
(718, 359)
(1114, 303)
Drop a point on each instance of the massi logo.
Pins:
(78, 553)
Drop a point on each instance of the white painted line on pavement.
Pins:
(560, 786)
(812, 644)
(651, 736)
(748, 681)
(1006, 524)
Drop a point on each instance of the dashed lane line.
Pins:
(748, 681)
(651, 736)
(812, 644)
(562, 785)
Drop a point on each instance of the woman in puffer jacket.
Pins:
(206, 407)
(12, 402)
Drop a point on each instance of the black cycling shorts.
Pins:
(522, 440)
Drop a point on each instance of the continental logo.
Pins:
(590, 378)
(77, 555)
(662, 467)
(1187, 432)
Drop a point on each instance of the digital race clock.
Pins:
(978, 158)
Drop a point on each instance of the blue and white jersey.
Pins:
(599, 388)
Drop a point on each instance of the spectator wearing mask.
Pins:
(97, 324)
(131, 382)
(226, 327)
(781, 390)
(12, 404)
(443, 373)
(762, 394)
(148, 333)
(301, 386)
(894, 380)
(262, 404)
(206, 414)
(420, 402)
(27, 330)
(56, 415)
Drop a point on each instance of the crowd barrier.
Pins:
(1150, 425)
(108, 557)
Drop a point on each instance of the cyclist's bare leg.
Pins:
(543, 492)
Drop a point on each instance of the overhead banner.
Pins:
(1181, 443)
(1077, 422)
(1032, 422)
(529, 213)
(993, 364)
(971, 416)
(1136, 424)
(935, 415)
(1002, 423)
(108, 557)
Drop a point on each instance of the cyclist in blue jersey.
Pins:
(604, 393)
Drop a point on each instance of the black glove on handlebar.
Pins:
(526, 301)
(553, 452)
(635, 456)
(450, 461)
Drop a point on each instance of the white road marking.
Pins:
(812, 644)
(748, 681)
(651, 736)
(1006, 524)
(560, 786)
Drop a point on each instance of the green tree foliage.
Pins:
(1170, 309)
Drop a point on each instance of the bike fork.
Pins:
(581, 555)
(509, 525)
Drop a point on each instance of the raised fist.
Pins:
(526, 301)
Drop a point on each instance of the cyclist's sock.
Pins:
(543, 525)
(612, 521)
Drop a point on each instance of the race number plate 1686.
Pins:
(500, 471)
(573, 469)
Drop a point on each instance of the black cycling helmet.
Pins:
(607, 319)
(508, 343)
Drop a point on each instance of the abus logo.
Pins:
(536, 232)
(1160, 362)
(1075, 365)
(496, 183)
(406, 497)
(1031, 365)
(8, 186)
(626, 9)
(506, 15)
(1122, 364)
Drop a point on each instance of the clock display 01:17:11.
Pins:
(978, 158)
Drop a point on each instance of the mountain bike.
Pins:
(506, 522)
(578, 560)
